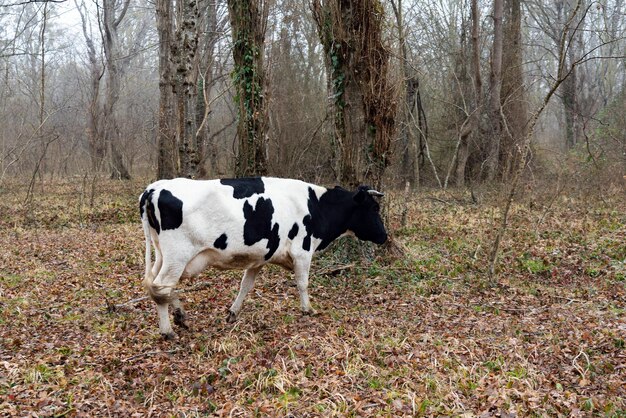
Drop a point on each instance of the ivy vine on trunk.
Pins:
(363, 99)
(248, 19)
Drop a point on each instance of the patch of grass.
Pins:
(493, 365)
(42, 373)
(291, 395)
(10, 280)
(375, 383)
(533, 265)
(64, 351)
(224, 369)
(518, 373)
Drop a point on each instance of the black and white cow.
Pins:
(245, 224)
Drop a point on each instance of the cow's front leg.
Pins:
(247, 282)
(301, 272)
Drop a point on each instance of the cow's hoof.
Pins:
(179, 319)
(231, 318)
(310, 312)
(169, 336)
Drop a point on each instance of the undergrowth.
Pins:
(422, 334)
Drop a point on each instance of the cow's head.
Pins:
(365, 221)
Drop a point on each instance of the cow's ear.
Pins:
(360, 196)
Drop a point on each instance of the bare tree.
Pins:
(495, 87)
(112, 15)
(185, 50)
(470, 127)
(412, 142)
(514, 108)
(167, 161)
(96, 71)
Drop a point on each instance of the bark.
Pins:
(412, 139)
(186, 90)
(248, 19)
(364, 102)
(111, 22)
(514, 101)
(472, 126)
(571, 102)
(97, 148)
(167, 164)
(207, 61)
(495, 81)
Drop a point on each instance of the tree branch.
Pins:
(25, 2)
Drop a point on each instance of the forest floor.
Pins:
(424, 334)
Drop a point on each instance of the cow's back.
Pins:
(230, 223)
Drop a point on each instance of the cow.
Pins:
(245, 223)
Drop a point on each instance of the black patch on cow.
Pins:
(273, 242)
(258, 225)
(308, 227)
(313, 205)
(142, 202)
(221, 243)
(171, 210)
(146, 201)
(245, 187)
(294, 231)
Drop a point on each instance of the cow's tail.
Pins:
(148, 276)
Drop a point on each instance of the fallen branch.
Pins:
(436, 199)
(335, 270)
(149, 353)
(112, 307)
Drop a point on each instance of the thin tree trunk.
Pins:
(186, 87)
(472, 128)
(42, 86)
(111, 51)
(167, 164)
(513, 90)
(493, 149)
(97, 147)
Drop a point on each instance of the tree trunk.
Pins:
(364, 101)
(571, 100)
(514, 105)
(206, 67)
(472, 127)
(112, 54)
(97, 148)
(186, 86)
(167, 164)
(248, 19)
(495, 80)
(411, 137)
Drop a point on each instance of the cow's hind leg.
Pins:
(301, 273)
(247, 282)
(162, 292)
(180, 316)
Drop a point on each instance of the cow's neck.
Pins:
(331, 215)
